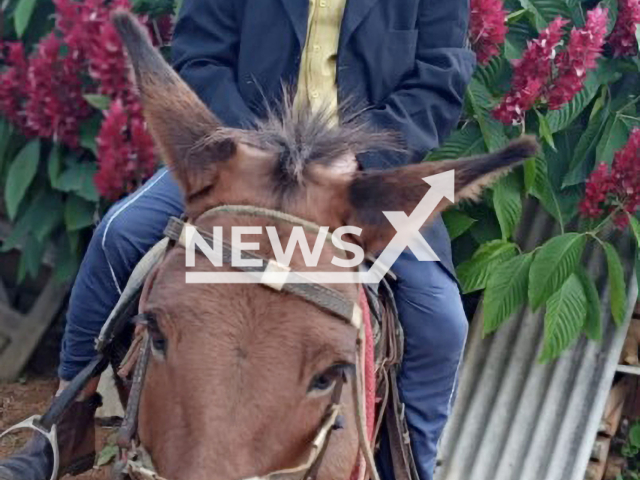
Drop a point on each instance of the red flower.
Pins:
(45, 94)
(125, 151)
(585, 46)
(55, 104)
(13, 82)
(623, 37)
(107, 63)
(607, 189)
(487, 28)
(530, 74)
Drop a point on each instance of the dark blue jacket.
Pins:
(407, 59)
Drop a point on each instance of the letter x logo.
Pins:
(408, 227)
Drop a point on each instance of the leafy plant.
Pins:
(72, 136)
(535, 78)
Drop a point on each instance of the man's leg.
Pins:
(435, 330)
(130, 228)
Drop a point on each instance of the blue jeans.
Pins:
(428, 301)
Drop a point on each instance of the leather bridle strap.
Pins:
(323, 297)
(127, 430)
(312, 472)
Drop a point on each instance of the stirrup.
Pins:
(33, 423)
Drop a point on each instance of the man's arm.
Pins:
(204, 52)
(426, 105)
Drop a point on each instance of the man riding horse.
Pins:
(405, 61)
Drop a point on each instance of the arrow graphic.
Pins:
(408, 228)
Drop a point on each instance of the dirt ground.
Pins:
(31, 396)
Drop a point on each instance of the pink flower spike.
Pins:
(530, 74)
(487, 28)
(623, 36)
(585, 46)
(618, 186)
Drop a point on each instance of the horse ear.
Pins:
(180, 123)
(372, 193)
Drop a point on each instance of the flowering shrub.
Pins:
(69, 105)
(569, 72)
(72, 139)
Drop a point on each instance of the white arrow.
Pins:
(408, 227)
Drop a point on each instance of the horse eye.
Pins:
(158, 340)
(322, 382)
(326, 380)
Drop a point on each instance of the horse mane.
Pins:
(301, 136)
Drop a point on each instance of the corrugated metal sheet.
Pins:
(515, 419)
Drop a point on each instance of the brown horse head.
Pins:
(241, 375)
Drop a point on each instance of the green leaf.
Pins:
(635, 228)
(78, 213)
(21, 173)
(5, 135)
(563, 117)
(544, 130)
(577, 12)
(101, 102)
(22, 15)
(530, 172)
(52, 210)
(482, 103)
(592, 325)
(495, 75)
(43, 214)
(89, 131)
(515, 16)
(634, 435)
(579, 166)
(566, 311)
(553, 264)
(544, 11)
(543, 190)
(457, 222)
(32, 254)
(614, 137)
(599, 104)
(54, 164)
(78, 178)
(107, 455)
(67, 263)
(74, 240)
(462, 143)
(506, 291)
(22, 270)
(507, 202)
(612, 8)
(474, 273)
(617, 289)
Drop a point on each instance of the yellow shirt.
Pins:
(317, 76)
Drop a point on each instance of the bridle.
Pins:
(135, 462)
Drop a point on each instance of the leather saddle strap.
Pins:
(404, 467)
(127, 431)
(324, 297)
